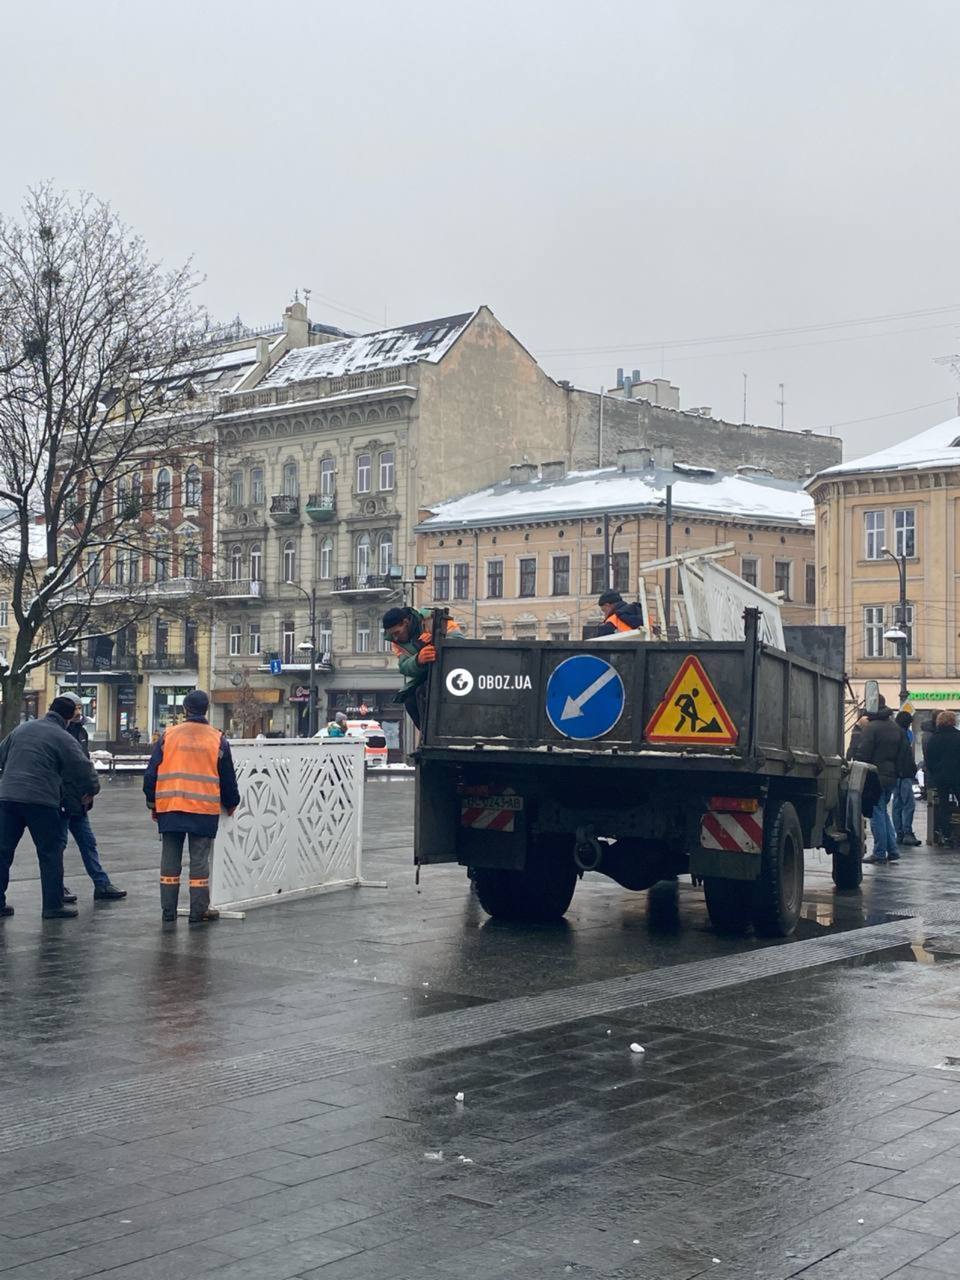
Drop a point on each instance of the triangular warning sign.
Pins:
(690, 711)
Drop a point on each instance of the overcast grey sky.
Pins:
(611, 177)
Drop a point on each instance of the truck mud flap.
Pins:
(492, 828)
(862, 790)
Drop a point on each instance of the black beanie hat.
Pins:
(611, 597)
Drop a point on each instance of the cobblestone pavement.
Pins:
(278, 1097)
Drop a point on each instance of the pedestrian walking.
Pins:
(39, 760)
(76, 815)
(942, 765)
(904, 804)
(189, 779)
(883, 744)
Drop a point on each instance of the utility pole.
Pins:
(668, 551)
(781, 402)
(607, 567)
(901, 563)
(744, 418)
(311, 598)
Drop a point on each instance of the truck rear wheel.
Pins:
(778, 893)
(542, 891)
(729, 903)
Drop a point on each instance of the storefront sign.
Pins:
(934, 695)
(126, 696)
(300, 693)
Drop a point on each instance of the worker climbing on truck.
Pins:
(618, 615)
(412, 633)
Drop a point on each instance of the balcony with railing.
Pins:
(186, 660)
(91, 666)
(321, 506)
(299, 662)
(370, 585)
(250, 590)
(284, 508)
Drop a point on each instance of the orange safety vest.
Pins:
(188, 780)
(426, 637)
(619, 623)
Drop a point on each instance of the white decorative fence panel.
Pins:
(299, 825)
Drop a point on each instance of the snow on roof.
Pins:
(580, 492)
(429, 340)
(936, 447)
(10, 536)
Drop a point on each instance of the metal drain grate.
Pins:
(147, 1096)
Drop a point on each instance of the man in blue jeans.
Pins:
(883, 744)
(76, 811)
(904, 805)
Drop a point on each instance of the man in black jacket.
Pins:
(942, 764)
(884, 744)
(38, 760)
(617, 614)
(76, 812)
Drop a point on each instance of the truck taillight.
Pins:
(732, 804)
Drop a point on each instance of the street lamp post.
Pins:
(901, 563)
(311, 598)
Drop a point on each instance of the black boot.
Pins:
(109, 891)
(61, 913)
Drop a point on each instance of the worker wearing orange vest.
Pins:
(411, 631)
(617, 614)
(189, 779)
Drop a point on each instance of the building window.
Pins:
(905, 532)
(561, 576)
(93, 568)
(559, 635)
(120, 498)
(161, 568)
(236, 563)
(386, 644)
(326, 558)
(4, 613)
(906, 625)
(364, 472)
(287, 645)
(164, 490)
(461, 581)
(598, 576)
(191, 492)
(385, 554)
(494, 579)
(528, 576)
(750, 570)
(363, 557)
(782, 573)
(328, 474)
(325, 633)
(257, 493)
(256, 563)
(874, 526)
(191, 563)
(810, 584)
(163, 637)
(289, 559)
(236, 488)
(291, 480)
(441, 582)
(873, 631)
(253, 639)
(620, 570)
(236, 631)
(362, 644)
(386, 469)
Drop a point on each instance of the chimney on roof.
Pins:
(523, 472)
(551, 471)
(619, 379)
(663, 456)
(636, 375)
(633, 459)
(627, 388)
(296, 325)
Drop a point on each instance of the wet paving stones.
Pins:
(250, 1104)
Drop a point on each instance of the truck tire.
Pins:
(847, 871)
(729, 903)
(542, 891)
(778, 893)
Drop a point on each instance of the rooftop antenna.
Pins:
(744, 400)
(781, 402)
(296, 295)
(306, 296)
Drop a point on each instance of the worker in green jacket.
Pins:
(411, 631)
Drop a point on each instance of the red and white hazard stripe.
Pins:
(732, 832)
(488, 819)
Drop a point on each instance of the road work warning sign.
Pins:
(691, 711)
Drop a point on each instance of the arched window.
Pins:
(328, 472)
(236, 563)
(363, 556)
(326, 558)
(191, 492)
(256, 563)
(385, 558)
(291, 479)
(289, 561)
(164, 490)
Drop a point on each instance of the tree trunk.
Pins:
(12, 685)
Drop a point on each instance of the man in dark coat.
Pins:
(38, 762)
(942, 765)
(904, 805)
(618, 615)
(76, 813)
(883, 744)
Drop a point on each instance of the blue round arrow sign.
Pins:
(585, 697)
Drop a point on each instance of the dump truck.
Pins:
(541, 761)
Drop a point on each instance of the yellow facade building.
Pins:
(892, 510)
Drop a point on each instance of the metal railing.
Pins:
(186, 660)
(363, 582)
(237, 589)
(285, 504)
